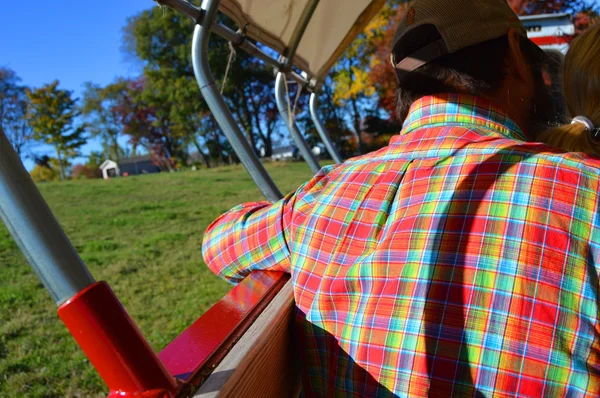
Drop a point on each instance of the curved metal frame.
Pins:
(282, 106)
(218, 107)
(325, 137)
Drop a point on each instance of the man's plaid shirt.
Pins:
(459, 259)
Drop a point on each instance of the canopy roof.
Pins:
(333, 26)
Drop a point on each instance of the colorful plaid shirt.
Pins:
(459, 260)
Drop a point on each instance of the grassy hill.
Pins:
(141, 234)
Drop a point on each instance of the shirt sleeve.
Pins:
(254, 236)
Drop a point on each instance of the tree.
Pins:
(351, 89)
(382, 76)
(52, 113)
(13, 111)
(251, 97)
(532, 7)
(44, 170)
(139, 121)
(356, 87)
(44, 174)
(89, 170)
(161, 39)
(101, 109)
(583, 11)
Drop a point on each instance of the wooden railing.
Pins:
(242, 346)
(263, 362)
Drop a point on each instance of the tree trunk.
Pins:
(268, 146)
(204, 157)
(361, 145)
(60, 165)
(116, 148)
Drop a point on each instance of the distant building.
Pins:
(128, 167)
(110, 169)
(284, 152)
(194, 157)
(550, 31)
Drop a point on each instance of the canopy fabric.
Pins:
(333, 26)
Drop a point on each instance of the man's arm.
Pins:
(254, 236)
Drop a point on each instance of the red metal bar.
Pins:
(551, 40)
(191, 356)
(115, 346)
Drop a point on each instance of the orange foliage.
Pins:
(382, 75)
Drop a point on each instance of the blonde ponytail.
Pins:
(581, 85)
(571, 138)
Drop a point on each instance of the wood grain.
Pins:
(262, 363)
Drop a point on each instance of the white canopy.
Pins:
(333, 26)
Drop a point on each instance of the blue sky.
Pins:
(72, 41)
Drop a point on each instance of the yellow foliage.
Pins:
(352, 84)
(376, 26)
(43, 174)
(352, 81)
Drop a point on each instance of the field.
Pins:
(142, 235)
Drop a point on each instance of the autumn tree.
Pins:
(52, 113)
(532, 7)
(350, 78)
(382, 76)
(161, 39)
(101, 110)
(89, 170)
(13, 111)
(584, 12)
(362, 79)
(138, 122)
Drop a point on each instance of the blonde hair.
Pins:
(581, 85)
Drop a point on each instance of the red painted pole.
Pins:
(115, 346)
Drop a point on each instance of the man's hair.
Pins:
(476, 70)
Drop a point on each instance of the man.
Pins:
(459, 260)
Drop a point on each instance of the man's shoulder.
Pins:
(578, 168)
(586, 166)
(574, 162)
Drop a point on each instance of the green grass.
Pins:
(140, 234)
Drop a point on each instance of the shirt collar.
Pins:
(461, 110)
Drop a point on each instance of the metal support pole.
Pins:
(314, 101)
(94, 316)
(184, 7)
(219, 109)
(303, 22)
(282, 105)
(37, 233)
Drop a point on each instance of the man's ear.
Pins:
(515, 61)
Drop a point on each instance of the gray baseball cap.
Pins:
(433, 28)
